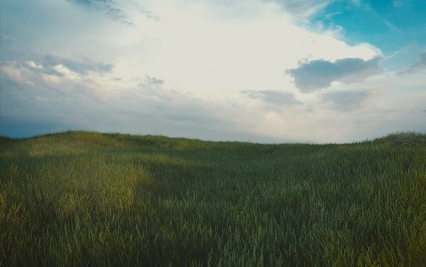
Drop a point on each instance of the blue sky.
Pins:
(247, 70)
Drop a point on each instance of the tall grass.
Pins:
(92, 199)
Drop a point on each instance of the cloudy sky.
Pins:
(247, 70)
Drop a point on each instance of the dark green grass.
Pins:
(92, 199)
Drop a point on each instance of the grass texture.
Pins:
(91, 199)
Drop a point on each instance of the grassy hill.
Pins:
(92, 199)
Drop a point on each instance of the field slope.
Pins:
(91, 199)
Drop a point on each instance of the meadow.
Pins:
(104, 199)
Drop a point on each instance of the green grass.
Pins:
(93, 199)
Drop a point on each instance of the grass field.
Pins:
(92, 199)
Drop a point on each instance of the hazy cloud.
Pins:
(148, 81)
(106, 7)
(146, 12)
(153, 80)
(113, 11)
(356, 2)
(17, 73)
(191, 118)
(302, 8)
(397, 3)
(416, 67)
(8, 38)
(274, 97)
(78, 65)
(347, 100)
(317, 74)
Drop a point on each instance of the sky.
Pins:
(267, 71)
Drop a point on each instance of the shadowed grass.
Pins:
(93, 199)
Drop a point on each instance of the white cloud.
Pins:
(54, 80)
(15, 73)
(33, 65)
(200, 49)
(61, 69)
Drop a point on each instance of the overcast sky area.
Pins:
(268, 71)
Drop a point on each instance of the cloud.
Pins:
(78, 65)
(73, 78)
(302, 9)
(317, 74)
(114, 11)
(397, 3)
(416, 67)
(146, 12)
(424, 110)
(273, 97)
(391, 26)
(345, 101)
(64, 71)
(200, 119)
(59, 79)
(153, 80)
(106, 7)
(356, 2)
(51, 79)
(8, 38)
(16, 73)
(33, 65)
